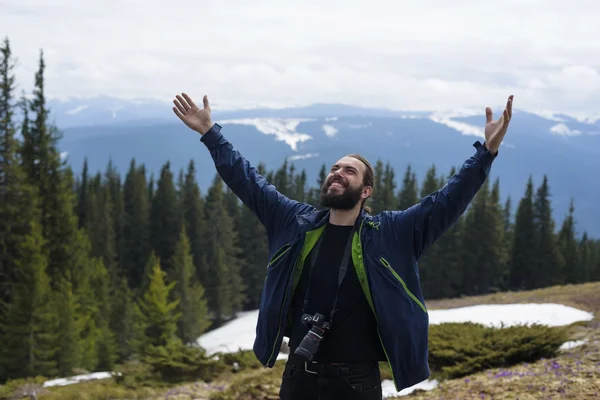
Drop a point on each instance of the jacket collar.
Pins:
(318, 218)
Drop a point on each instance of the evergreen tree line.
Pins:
(97, 269)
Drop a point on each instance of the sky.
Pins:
(419, 55)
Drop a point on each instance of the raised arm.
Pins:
(274, 210)
(437, 212)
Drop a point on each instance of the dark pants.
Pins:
(315, 381)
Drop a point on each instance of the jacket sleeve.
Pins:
(273, 209)
(435, 213)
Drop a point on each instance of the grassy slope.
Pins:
(575, 374)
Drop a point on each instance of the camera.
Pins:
(310, 343)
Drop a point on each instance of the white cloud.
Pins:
(283, 129)
(399, 55)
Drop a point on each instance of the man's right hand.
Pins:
(194, 117)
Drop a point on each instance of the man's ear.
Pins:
(367, 191)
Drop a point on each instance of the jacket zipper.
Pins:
(367, 292)
(287, 289)
(280, 253)
(412, 296)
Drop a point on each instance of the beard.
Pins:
(343, 201)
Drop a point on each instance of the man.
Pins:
(342, 284)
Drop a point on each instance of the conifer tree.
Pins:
(165, 217)
(189, 292)
(574, 271)
(159, 314)
(69, 329)
(549, 261)
(192, 205)
(445, 275)
(29, 321)
(408, 195)
(429, 258)
(136, 225)
(524, 256)
(224, 287)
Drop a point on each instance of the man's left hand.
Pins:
(495, 130)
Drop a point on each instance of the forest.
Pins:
(103, 267)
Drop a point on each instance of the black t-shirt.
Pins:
(353, 334)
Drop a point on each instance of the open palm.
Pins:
(193, 116)
(496, 130)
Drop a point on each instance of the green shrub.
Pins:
(239, 361)
(459, 349)
(178, 362)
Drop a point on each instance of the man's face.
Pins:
(343, 187)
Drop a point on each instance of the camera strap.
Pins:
(341, 272)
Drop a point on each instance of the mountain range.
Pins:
(563, 147)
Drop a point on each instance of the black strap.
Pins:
(342, 270)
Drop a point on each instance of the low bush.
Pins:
(459, 349)
(178, 362)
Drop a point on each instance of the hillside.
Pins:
(573, 374)
(565, 149)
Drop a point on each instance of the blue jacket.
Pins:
(386, 249)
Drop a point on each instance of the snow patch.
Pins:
(389, 390)
(302, 156)
(572, 344)
(564, 130)
(462, 127)
(331, 119)
(76, 110)
(79, 378)
(512, 314)
(330, 130)
(283, 129)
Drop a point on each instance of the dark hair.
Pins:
(368, 179)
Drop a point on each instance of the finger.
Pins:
(184, 103)
(506, 120)
(178, 113)
(179, 106)
(189, 100)
(488, 115)
(509, 106)
(205, 101)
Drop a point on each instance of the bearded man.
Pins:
(343, 284)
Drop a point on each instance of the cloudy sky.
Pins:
(411, 55)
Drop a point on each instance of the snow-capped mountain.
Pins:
(566, 148)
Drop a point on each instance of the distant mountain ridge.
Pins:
(565, 148)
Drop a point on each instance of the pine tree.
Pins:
(408, 195)
(136, 225)
(567, 243)
(29, 321)
(189, 292)
(388, 196)
(192, 205)
(82, 201)
(224, 287)
(376, 201)
(159, 314)
(548, 262)
(314, 193)
(70, 344)
(445, 275)
(165, 217)
(430, 257)
(524, 255)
